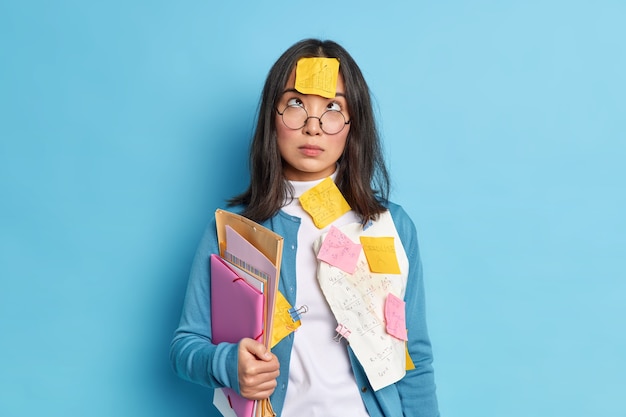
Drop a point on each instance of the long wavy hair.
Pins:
(362, 175)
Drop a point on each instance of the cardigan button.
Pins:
(364, 389)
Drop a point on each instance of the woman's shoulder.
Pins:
(396, 210)
(238, 208)
(403, 222)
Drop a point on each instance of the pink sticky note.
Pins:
(395, 318)
(338, 250)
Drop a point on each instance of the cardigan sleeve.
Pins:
(417, 389)
(193, 355)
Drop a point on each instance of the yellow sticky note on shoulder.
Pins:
(324, 203)
(317, 76)
(380, 253)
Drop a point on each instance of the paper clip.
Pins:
(296, 313)
(342, 332)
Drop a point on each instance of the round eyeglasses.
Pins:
(296, 117)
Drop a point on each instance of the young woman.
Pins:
(308, 132)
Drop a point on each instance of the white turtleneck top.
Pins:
(321, 382)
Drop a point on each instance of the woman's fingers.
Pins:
(258, 370)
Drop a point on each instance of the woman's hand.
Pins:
(258, 370)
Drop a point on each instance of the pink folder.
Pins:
(236, 312)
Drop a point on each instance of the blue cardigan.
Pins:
(196, 359)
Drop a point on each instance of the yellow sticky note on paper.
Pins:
(324, 203)
(409, 362)
(317, 76)
(380, 253)
(283, 324)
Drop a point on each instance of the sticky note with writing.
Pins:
(317, 76)
(380, 253)
(339, 250)
(395, 321)
(283, 323)
(324, 203)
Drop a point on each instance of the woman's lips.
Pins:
(310, 150)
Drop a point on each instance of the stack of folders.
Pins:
(244, 286)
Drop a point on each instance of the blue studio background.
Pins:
(124, 124)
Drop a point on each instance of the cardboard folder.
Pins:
(261, 242)
(258, 251)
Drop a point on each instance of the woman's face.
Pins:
(308, 152)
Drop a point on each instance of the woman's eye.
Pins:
(296, 102)
(333, 106)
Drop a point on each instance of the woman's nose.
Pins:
(313, 127)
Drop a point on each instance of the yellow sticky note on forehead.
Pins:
(324, 203)
(317, 76)
(380, 253)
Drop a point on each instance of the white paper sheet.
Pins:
(357, 302)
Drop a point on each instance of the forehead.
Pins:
(291, 82)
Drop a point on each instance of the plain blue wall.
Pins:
(124, 124)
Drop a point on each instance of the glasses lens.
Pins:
(294, 117)
(332, 122)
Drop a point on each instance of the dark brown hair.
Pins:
(362, 175)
